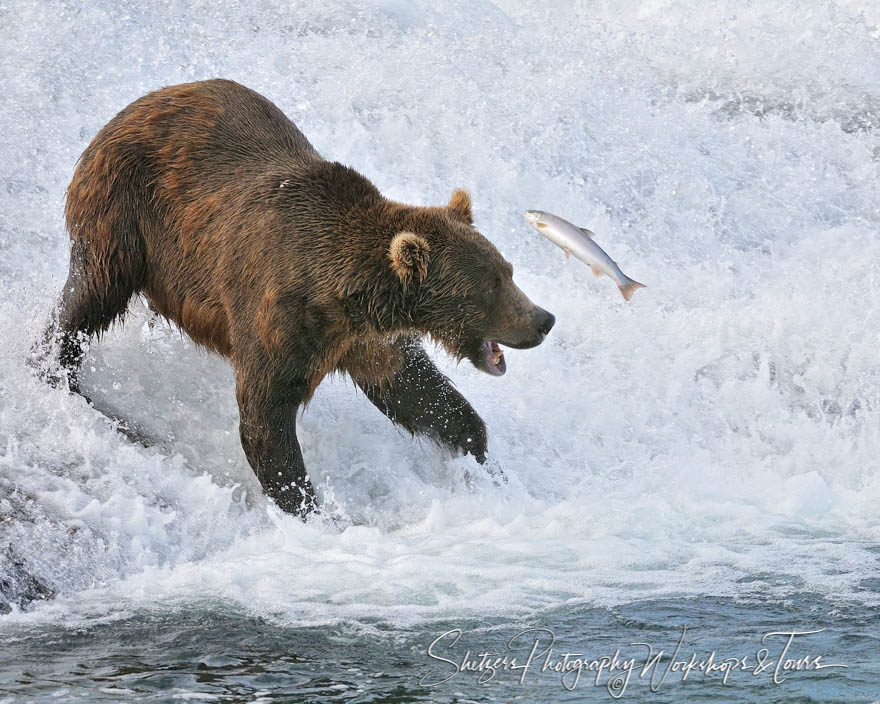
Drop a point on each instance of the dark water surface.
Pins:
(717, 435)
(212, 652)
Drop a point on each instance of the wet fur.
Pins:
(209, 201)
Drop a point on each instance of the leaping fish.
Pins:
(579, 242)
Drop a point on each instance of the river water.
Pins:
(698, 464)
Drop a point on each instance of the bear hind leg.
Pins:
(99, 285)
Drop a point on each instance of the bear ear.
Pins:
(409, 256)
(460, 205)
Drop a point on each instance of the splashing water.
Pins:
(716, 436)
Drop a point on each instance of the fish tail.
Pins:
(629, 289)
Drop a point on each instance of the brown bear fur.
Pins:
(209, 201)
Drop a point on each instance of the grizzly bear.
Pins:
(209, 201)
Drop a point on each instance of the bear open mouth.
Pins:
(492, 359)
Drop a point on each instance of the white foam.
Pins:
(717, 435)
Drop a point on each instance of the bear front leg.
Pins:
(268, 400)
(421, 399)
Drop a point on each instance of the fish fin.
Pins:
(628, 290)
(588, 233)
(567, 253)
(597, 272)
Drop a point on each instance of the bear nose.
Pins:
(545, 322)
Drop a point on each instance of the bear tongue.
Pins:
(495, 359)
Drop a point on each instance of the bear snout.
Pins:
(542, 324)
(545, 321)
(532, 333)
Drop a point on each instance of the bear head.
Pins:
(457, 288)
